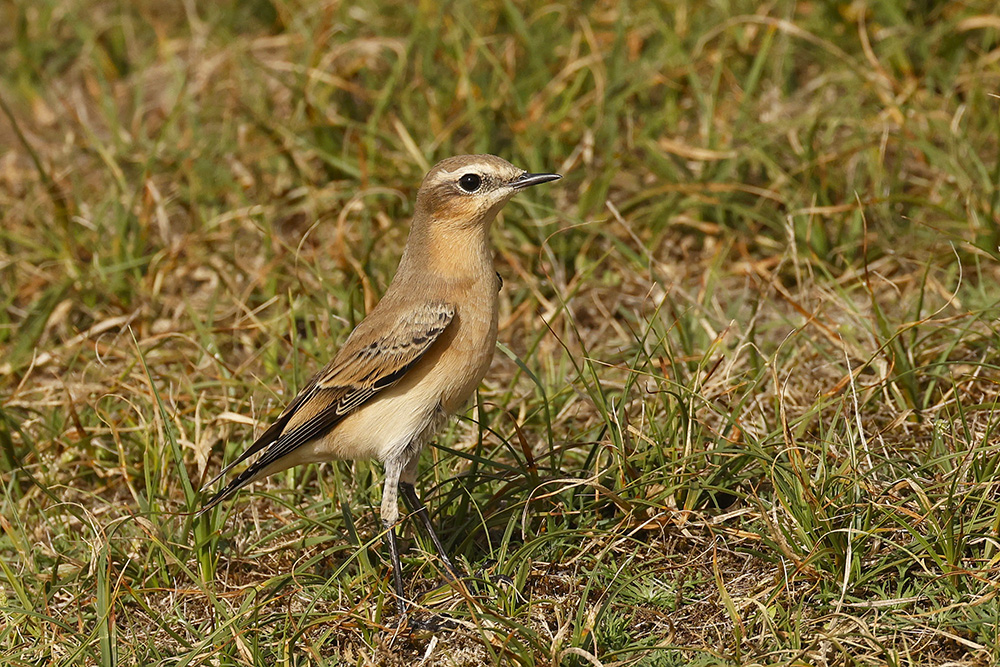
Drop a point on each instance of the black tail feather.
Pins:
(229, 490)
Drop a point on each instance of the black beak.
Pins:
(527, 180)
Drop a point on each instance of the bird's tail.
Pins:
(250, 474)
(229, 490)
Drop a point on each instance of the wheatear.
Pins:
(416, 358)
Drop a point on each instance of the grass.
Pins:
(746, 408)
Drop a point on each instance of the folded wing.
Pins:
(375, 356)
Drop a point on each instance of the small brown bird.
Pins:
(416, 358)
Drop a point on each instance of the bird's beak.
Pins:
(527, 180)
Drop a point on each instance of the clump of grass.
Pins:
(746, 406)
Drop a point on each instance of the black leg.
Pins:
(397, 570)
(410, 496)
(390, 517)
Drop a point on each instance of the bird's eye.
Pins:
(470, 182)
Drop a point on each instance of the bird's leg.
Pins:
(410, 496)
(390, 516)
(406, 487)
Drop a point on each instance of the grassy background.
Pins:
(746, 408)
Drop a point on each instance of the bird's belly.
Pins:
(382, 427)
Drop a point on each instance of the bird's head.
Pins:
(469, 190)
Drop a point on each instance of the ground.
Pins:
(745, 409)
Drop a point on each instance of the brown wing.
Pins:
(375, 356)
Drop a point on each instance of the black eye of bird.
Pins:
(470, 182)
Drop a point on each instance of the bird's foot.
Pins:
(498, 580)
(434, 623)
(450, 572)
